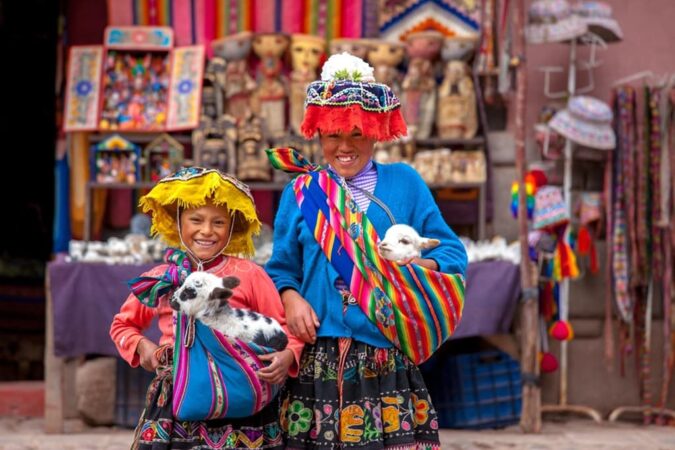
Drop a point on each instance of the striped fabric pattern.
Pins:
(215, 375)
(201, 21)
(417, 309)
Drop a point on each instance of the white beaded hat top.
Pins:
(552, 21)
(586, 121)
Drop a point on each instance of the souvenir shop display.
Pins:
(385, 56)
(419, 84)
(465, 166)
(443, 166)
(401, 150)
(214, 143)
(252, 161)
(239, 86)
(163, 156)
(132, 249)
(137, 81)
(269, 99)
(456, 114)
(307, 52)
(584, 122)
(115, 160)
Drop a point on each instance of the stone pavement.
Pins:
(28, 434)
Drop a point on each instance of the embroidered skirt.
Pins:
(351, 395)
(158, 430)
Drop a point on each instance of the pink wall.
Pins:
(649, 44)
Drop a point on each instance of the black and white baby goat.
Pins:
(204, 296)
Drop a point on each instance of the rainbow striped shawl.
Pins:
(214, 376)
(416, 308)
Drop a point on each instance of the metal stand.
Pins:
(562, 405)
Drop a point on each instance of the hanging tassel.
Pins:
(561, 330)
(564, 260)
(586, 247)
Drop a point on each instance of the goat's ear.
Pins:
(221, 294)
(429, 243)
(230, 282)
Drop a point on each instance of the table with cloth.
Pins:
(82, 299)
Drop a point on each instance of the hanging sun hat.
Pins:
(193, 187)
(586, 121)
(346, 97)
(598, 17)
(552, 21)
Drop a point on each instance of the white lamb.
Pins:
(402, 243)
(204, 296)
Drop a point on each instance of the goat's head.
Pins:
(200, 290)
(401, 242)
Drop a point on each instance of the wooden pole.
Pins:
(530, 419)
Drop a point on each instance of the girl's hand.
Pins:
(276, 372)
(300, 316)
(146, 352)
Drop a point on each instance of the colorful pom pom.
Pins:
(561, 330)
(547, 362)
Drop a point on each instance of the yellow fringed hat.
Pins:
(193, 187)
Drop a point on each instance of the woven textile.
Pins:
(417, 309)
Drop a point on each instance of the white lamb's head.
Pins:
(201, 292)
(401, 243)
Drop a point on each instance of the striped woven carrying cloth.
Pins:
(214, 375)
(415, 308)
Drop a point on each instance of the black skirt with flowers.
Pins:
(158, 430)
(352, 395)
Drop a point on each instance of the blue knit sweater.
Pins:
(299, 263)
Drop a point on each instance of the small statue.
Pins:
(385, 56)
(239, 85)
(252, 162)
(456, 116)
(214, 143)
(306, 53)
(269, 99)
(419, 85)
(213, 87)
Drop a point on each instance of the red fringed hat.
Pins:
(346, 97)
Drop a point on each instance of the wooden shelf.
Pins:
(137, 185)
(440, 142)
(144, 137)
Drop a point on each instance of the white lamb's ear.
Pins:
(429, 243)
